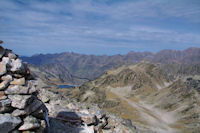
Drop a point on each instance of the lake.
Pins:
(65, 86)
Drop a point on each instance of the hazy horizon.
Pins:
(99, 27)
(103, 54)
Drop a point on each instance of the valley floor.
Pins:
(152, 118)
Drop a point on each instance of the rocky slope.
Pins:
(77, 68)
(26, 108)
(155, 97)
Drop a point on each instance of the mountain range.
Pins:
(159, 92)
(73, 68)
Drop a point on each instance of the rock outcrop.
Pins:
(69, 116)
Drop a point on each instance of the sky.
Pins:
(99, 26)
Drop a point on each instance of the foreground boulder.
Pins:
(30, 123)
(8, 122)
(77, 117)
(19, 101)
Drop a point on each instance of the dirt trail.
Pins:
(158, 120)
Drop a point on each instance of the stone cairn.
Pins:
(20, 109)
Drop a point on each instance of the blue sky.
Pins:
(99, 26)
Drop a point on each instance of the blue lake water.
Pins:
(65, 86)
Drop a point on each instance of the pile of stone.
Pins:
(20, 109)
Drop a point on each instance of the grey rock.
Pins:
(2, 68)
(17, 75)
(2, 51)
(16, 89)
(16, 131)
(77, 116)
(33, 104)
(67, 116)
(19, 101)
(100, 114)
(128, 123)
(8, 122)
(7, 61)
(44, 96)
(10, 54)
(87, 129)
(32, 85)
(4, 85)
(20, 81)
(30, 123)
(5, 106)
(87, 118)
(7, 78)
(57, 126)
(16, 65)
(5, 102)
(45, 99)
(2, 95)
(18, 112)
